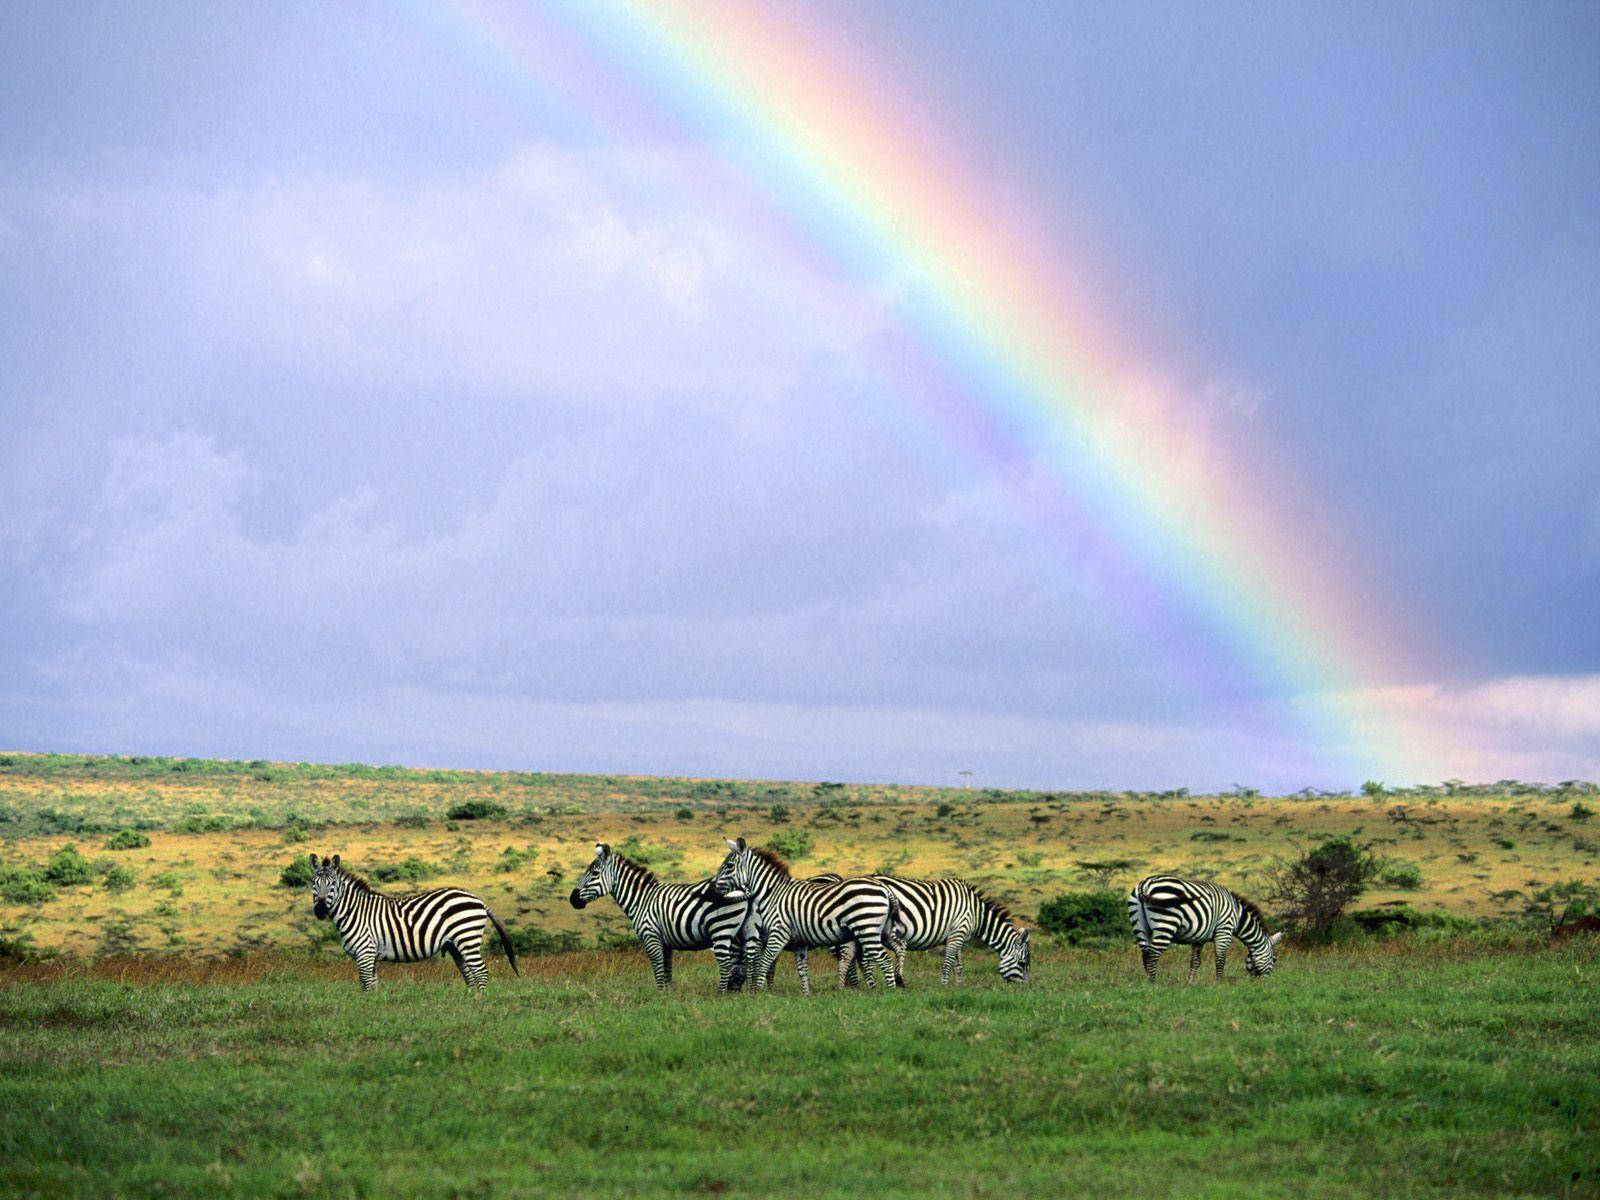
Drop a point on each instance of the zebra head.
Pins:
(1264, 955)
(327, 886)
(597, 880)
(733, 878)
(1016, 957)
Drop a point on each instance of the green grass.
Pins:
(1440, 1069)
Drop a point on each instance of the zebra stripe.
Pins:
(799, 914)
(374, 926)
(668, 916)
(1164, 909)
(949, 913)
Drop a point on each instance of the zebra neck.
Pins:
(354, 907)
(1250, 931)
(630, 891)
(766, 882)
(992, 931)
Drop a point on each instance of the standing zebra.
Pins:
(374, 926)
(949, 913)
(798, 914)
(1164, 909)
(668, 916)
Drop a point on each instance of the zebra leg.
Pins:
(847, 960)
(725, 964)
(461, 963)
(761, 979)
(802, 963)
(951, 967)
(1151, 953)
(1224, 940)
(874, 951)
(1194, 960)
(658, 959)
(367, 968)
(666, 965)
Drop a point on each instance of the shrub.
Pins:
(778, 814)
(1100, 873)
(24, 885)
(1557, 903)
(1315, 889)
(412, 870)
(477, 810)
(1210, 835)
(791, 843)
(172, 881)
(68, 868)
(127, 839)
(512, 859)
(1078, 917)
(530, 939)
(1400, 874)
(684, 814)
(118, 878)
(1581, 811)
(1405, 919)
(297, 874)
(415, 819)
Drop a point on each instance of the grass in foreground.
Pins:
(1433, 1070)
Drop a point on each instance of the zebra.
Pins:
(1164, 909)
(795, 913)
(668, 917)
(949, 913)
(374, 926)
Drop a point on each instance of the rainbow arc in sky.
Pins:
(855, 167)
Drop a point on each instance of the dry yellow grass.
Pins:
(1023, 847)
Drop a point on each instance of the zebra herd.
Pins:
(753, 909)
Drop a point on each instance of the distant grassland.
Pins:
(221, 834)
(1389, 1069)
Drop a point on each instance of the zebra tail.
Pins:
(511, 954)
(1144, 918)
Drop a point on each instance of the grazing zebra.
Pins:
(798, 914)
(374, 926)
(668, 916)
(949, 913)
(1164, 909)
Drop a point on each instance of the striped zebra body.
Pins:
(668, 916)
(801, 915)
(947, 914)
(752, 935)
(373, 926)
(1164, 909)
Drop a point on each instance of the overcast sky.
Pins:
(363, 399)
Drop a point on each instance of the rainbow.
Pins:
(1181, 521)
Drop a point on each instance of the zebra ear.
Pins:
(313, 862)
(336, 862)
(1025, 934)
(1275, 939)
(733, 845)
(601, 849)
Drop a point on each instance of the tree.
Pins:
(1314, 890)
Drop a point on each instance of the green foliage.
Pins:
(1404, 919)
(127, 839)
(1581, 811)
(1210, 835)
(415, 819)
(202, 823)
(511, 859)
(684, 814)
(297, 874)
(24, 884)
(1102, 871)
(68, 868)
(1078, 918)
(793, 844)
(118, 878)
(1314, 890)
(1374, 788)
(172, 882)
(1401, 874)
(410, 870)
(477, 810)
(778, 814)
(530, 939)
(1559, 902)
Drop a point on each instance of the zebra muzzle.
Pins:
(576, 900)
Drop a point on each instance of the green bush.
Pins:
(297, 874)
(791, 843)
(1400, 874)
(170, 880)
(24, 885)
(1581, 811)
(1079, 917)
(477, 810)
(1405, 919)
(530, 939)
(684, 814)
(127, 839)
(118, 878)
(68, 868)
(412, 870)
(416, 819)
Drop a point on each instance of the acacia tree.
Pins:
(1313, 891)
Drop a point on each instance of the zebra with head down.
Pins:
(949, 913)
(1164, 909)
(799, 914)
(668, 916)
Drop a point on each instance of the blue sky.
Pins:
(364, 400)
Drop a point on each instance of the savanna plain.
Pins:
(173, 1021)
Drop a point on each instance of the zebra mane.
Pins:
(1250, 909)
(638, 870)
(772, 858)
(358, 882)
(1001, 912)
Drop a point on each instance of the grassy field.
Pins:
(1389, 1070)
(174, 1023)
(221, 834)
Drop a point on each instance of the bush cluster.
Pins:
(1080, 917)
